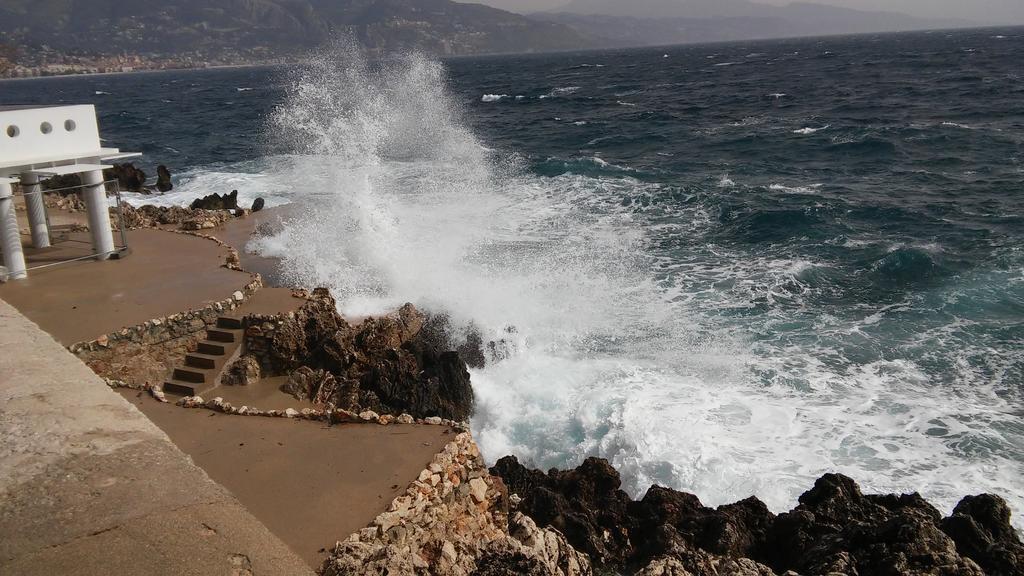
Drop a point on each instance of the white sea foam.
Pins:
(493, 97)
(956, 125)
(725, 182)
(244, 89)
(808, 131)
(812, 189)
(399, 202)
(101, 93)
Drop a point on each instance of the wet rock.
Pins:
(980, 527)
(128, 177)
(163, 179)
(835, 529)
(245, 371)
(216, 202)
(385, 364)
(257, 205)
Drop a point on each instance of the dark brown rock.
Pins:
(257, 205)
(836, 529)
(385, 364)
(980, 527)
(163, 179)
(216, 202)
(128, 177)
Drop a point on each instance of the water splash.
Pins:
(615, 349)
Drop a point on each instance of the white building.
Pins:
(37, 143)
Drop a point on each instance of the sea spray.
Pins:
(617, 347)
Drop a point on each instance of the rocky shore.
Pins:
(457, 517)
(460, 518)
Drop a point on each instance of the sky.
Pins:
(999, 11)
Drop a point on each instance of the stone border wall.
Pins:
(454, 520)
(143, 356)
(258, 338)
(335, 416)
(160, 330)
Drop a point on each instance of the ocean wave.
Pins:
(808, 131)
(633, 297)
(244, 89)
(812, 189)
(493, 97)
(956, 125)
(557, 92)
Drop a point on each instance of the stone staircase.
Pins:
(203, 367)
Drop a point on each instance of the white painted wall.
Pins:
(35, 133)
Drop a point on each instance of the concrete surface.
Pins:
(88, 485)
(165, 274)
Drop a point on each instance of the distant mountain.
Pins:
(261, 30)
(274, 27)
(654, 22)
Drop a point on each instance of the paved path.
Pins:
(88, 485)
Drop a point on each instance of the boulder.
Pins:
(980, 527)
(216, 202)
(257, 205)
(128, 177)
(385, 364)
(245, 371)
(163, 179)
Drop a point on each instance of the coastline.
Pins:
(456, 516)
(146, 71)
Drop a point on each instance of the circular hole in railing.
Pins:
(13, 131)
(45, 128)
(69, 125)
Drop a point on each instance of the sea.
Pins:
(726, 268)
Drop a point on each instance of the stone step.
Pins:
(229, 322)
(195, 375)
(183, 388)
(203, 361)
(221, 335)
(212, 348)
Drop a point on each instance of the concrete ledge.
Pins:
(88, 485)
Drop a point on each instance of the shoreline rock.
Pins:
(835, 529)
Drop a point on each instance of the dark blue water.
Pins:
(730, 267)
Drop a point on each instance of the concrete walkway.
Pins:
(88, 485)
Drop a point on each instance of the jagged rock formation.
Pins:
(163, 179)
(130, 178)
(387, 365)
(835, 529)
(216, 202)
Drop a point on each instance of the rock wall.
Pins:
(143, 355)
(454, 520)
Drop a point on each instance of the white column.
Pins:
(10, 238)
(95, 195)
(36, 210)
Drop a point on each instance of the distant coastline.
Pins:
(145, 71)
